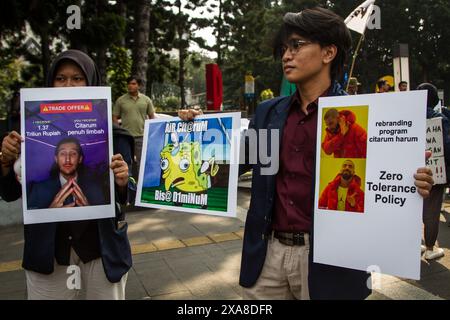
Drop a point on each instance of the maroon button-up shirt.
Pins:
(294, 182)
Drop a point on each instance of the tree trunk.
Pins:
(101, 63)
(219, 35)
(424, 72)
(181, 75)
(141, 42)
(149, 83)
(181, 55)
(123, 13)
(45, 51)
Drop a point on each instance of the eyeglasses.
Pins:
(294, 46)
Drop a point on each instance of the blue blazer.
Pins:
(325, 282)
(41, 194)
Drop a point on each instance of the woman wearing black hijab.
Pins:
(99, 248)
(432, 205)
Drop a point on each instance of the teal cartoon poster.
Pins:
(191, 166)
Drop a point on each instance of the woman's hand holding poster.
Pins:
(66, 154)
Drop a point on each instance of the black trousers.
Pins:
(431, 214)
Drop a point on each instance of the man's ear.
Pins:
(56, 159)
(81, 160)
(329, 53)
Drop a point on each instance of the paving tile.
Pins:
(437, 284)
(240, 233)
(234, 245)
(134, 290)
(215, 293)
(143, 248)
(196, 241)
(11, 266)
(158, 280)
(13, 285)
(223, 237)
(168, 244)
(180, 295)
(147, 257)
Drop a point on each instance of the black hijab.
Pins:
(86, 64)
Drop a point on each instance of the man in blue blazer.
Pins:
(69, 184)
(278, 239)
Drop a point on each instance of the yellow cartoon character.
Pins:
(183, 168)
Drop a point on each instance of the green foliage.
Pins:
(9, 78)
(119, 69)
(195, 80)
(98, 31)
(249, 47)
(247, 27)
(196, 72)
(244, 31)
(170, 103)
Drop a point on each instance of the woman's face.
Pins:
(69, 74)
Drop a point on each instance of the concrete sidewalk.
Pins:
(184, 256)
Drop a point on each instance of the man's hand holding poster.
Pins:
(191, 166)
(368, 214)
(66, 154)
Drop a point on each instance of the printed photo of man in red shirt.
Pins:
(344, 192)
(344, 137)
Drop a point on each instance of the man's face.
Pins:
(348, 170)
(305, 64)
(68, 159)
(403, 87)
(133, 86)
(352, 89)
(332, 122)
(385, 88)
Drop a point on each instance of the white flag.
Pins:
(358, 19)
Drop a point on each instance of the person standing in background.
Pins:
(133, 108)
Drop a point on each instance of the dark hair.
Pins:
(331, 113)
(131, 78)
(321, 26)
(433, 96)
(381, 83)
(54, 171)
(402, 82)
(69, 140)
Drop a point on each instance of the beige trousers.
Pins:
(284, 275)
(76, 281)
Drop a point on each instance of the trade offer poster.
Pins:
(66, 154)
(368, 213)
(191, 166)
